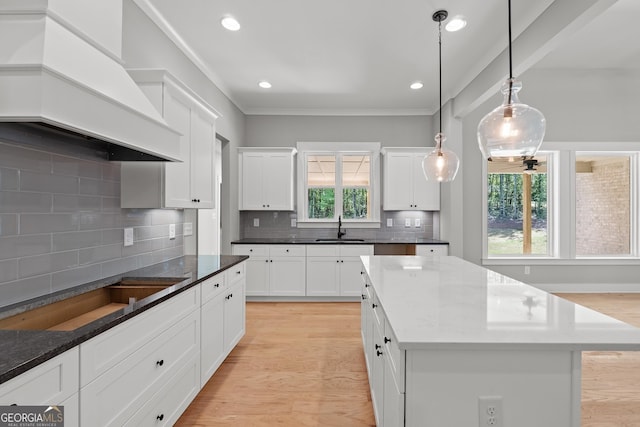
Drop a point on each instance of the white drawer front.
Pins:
(212, 287)
(235, 273)
(323, 250)
(117, 394)
(251, 250)
(355, 250)
(109, 348)
(423, 250)
(396, 356)
(287, 250)
(47, 384)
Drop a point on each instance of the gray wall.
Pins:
(579, 105)
(146, 46)
(61, 224)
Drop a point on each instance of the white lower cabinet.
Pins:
(222, 318)
(335, 270)
(274, 270)
(385, 362)
(54, 382)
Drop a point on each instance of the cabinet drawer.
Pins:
(287, 250)
(355, 250)
(166, 406)
(322, 250)
(117, 394)
(109, 348)
(235, 273)
(396, 356)
(251, 250)
(423, 250)
(212, 287)
(48, 383)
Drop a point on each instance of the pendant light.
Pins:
(513, 129)
(440, 165)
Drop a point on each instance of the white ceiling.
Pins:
(359, 56)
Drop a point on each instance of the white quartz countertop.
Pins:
(448, 303)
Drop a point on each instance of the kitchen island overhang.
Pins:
(454, 332)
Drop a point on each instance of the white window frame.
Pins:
(561, 208)
(338, 149)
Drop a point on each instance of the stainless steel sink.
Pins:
(339, 240)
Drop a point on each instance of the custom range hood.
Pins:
(61, 69)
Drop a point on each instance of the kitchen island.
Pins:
(450, 343)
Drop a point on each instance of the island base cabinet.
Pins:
(538, 387)
(234, 315)
(212, 342)
(166, 406)
(393, 406)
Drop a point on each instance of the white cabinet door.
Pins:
(252, 182)
(350, 277)
(377, 377)
(234, 315)
(278, 185)
(323, 277)
(424, 250)
(176, 178)
(258, 276)
(393, 406)
(203, 137)
(426, 194)
(212, 349)
(287, 276)
(398, 181)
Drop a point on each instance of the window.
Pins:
(338, 183)
(517, 207)
(578, 206)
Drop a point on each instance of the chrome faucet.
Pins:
(340, 232)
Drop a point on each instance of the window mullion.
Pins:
(338, 190)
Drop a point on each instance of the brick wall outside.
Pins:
(602, 209)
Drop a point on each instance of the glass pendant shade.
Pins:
(440, 165)
(513, 129)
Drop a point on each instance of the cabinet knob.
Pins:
(238, 272)
(366, 285)
(160, 362)
(337, 260)
(374, 306)
(268, 206)
(362, 272)
(266, 260)
(250, 250)
(271, 260)
(378, 353)
(386, 340)
(364, 296)
(160, 417)
(378, 346)
(287, 250)
(217, 285)
(230, 295)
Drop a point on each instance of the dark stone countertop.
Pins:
(313, 241)
(25, 349)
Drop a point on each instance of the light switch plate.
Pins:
(389, 222)
(407, 222)
(128, 236)
(256, 222)
(172, 231)
(187, 229)
(416, 222)
(294, 222)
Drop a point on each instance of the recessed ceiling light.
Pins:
(416, 85)
(264, 84)
(230, 23)
(456, 23)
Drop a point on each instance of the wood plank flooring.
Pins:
(301, 364)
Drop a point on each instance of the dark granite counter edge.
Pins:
(294, 241)
(53, 343)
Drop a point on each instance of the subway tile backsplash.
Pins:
(61, 224)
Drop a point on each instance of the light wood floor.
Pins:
(301, 364)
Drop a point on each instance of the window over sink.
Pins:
(341, 180)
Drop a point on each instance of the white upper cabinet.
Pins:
(404, 184)
(266, 179)
(186, 184)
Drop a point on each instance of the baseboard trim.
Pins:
(595, 288)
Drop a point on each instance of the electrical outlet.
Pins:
(128, 236)
(416, 222)
(407, 222)
(389, 222)
(527, 269)
(256, 222)
(187, 229)
(172, 231)
(490, 411)
(294, 222)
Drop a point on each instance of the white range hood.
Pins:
(60, 66)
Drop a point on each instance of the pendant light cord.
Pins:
(440, 72)
(510, 54)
